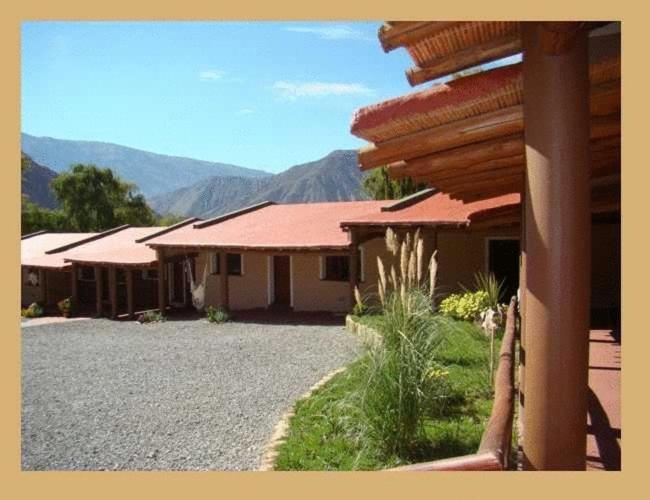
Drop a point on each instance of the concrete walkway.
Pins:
(604, 431)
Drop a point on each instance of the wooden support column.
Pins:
(224, 292)
(42, 279)
(112, 290)
(557, 245)
(99, 290)
(354, 264)
(129, 293)
(74, 289)
(162, 283)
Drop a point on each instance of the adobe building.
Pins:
(310, 256)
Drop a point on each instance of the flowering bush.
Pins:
(467, 306)
(33, 311)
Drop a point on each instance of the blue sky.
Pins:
(257, 94)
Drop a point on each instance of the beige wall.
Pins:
(310, 293)
(461, 254)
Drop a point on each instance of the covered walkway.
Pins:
(604, 429)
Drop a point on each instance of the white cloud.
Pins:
(294, 90)
(332, 32)
(211, 75)
(246, 111)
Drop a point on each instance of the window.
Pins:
(86, 273)
(335, 268)
(150, 274)
(214, 263)
(235, 263)
(32, 277)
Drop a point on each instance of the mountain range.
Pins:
(335, 177)
(35, 183)
(153, 173)
(188, 187)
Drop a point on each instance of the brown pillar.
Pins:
(557, 255)
(74, 289)
(112, 290)
(224, 293)
(354, 264)
(99, 290)
(162, 284)
(129, 293)
(42, 279)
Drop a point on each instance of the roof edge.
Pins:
(409, 200)
(168, 229)
(232, 215)
(35, 233)
(108, 232)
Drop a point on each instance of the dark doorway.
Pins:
(177, 283)
(503, 261)
(282, 280)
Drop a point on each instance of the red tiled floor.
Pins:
(604, 431)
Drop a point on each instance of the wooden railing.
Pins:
(494, 450)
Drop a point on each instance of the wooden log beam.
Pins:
(496, 176)
(465, 58)
(74, 289)
(490, 125)
(482, 135)
(406, 33)
(461, 157)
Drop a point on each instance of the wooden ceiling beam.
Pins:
(490, 125)
(406, 33)
(464, 59)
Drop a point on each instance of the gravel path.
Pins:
(179, 395)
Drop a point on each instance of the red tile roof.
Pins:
(32, 250)
(119, 248)
(281, 226)
(438, 209)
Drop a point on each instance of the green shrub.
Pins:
(487, 282)
(151, 317)
(404, 380)
(65, 306)
(33, 311)
(467, 306)
(216, 314)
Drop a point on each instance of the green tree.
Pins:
(95, 199)
(169, 220)
(379, 186)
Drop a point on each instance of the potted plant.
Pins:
(65, 306)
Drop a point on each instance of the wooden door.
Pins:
(282, 280)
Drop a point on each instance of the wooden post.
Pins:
(74, 289)
(129, 293)
(224, 292)
(99, 290)
(112, 290)
(42, 279)
(557, 247)
(354, 264)
(162, 288)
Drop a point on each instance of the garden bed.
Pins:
(328, 431)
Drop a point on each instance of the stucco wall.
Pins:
(310, 293)
(461, 254)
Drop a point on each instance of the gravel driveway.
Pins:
(179, 395)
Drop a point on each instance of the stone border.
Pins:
(282, 427)
(367, 334)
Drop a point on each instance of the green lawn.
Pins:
(327, 431)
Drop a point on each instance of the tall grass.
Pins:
(403, 377)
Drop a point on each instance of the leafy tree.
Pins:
(35, 218)
(379, 186)
(95, 199)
